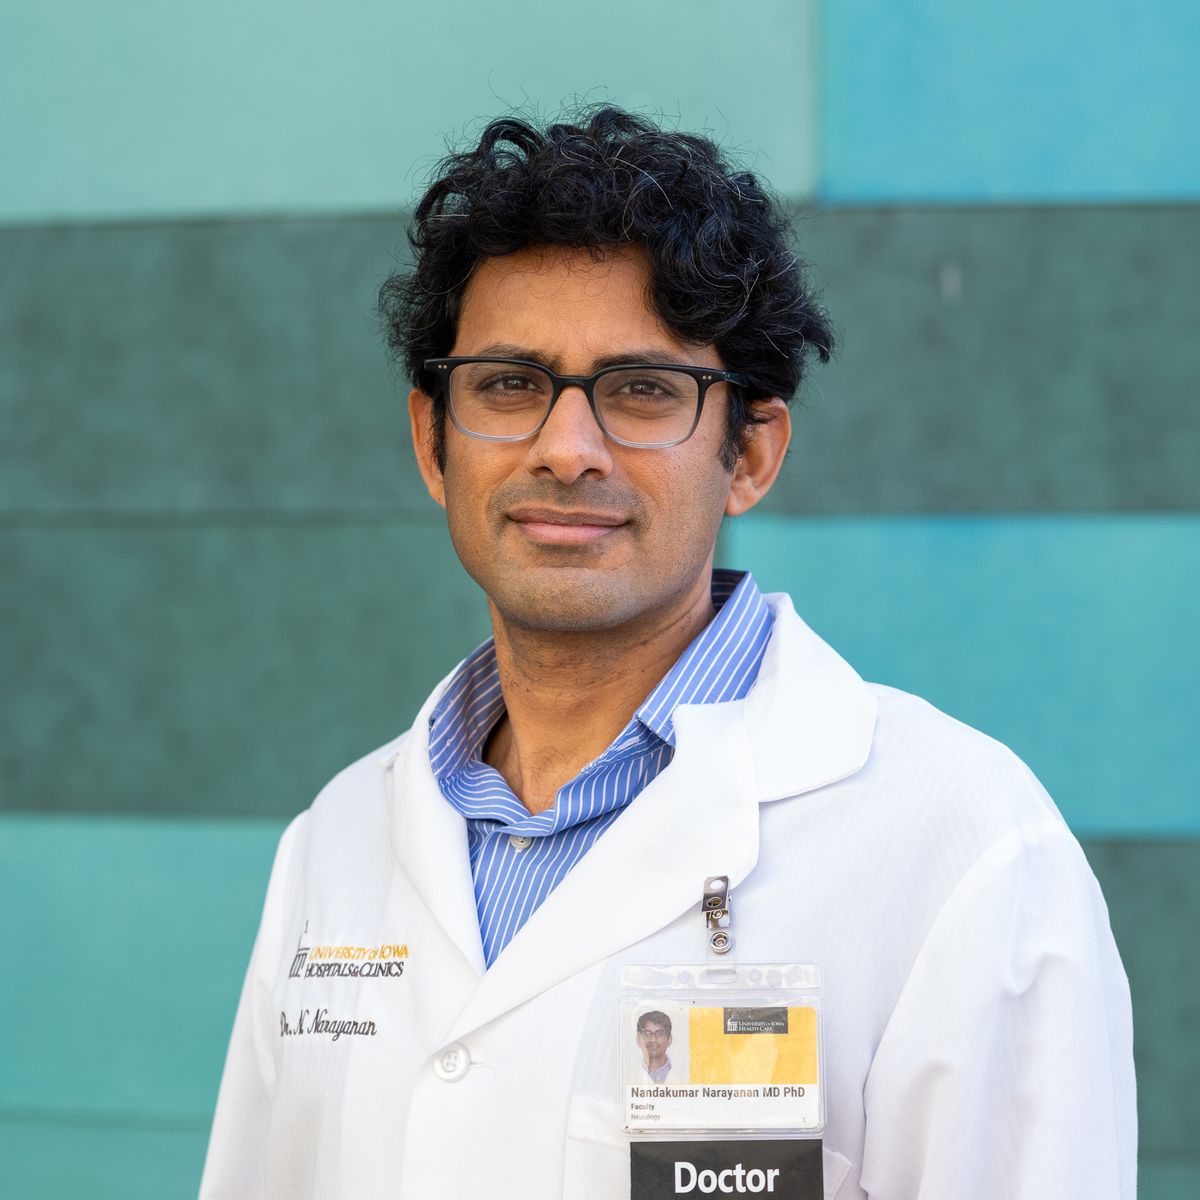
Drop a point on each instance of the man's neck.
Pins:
(568, 695)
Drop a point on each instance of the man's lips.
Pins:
(564, 527)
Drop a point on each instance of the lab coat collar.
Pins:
(429, 836)
(808, 722)
(810, 718)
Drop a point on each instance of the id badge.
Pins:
(712, 1050)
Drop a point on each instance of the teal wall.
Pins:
(1025, 101)
(216, 547)
(130, 109)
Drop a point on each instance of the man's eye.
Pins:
(645, 387)
(508, 383)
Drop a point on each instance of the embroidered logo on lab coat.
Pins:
(384, 960)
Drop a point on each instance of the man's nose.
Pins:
(571, 444)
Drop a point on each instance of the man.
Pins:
(603, 328)
(654, 1040)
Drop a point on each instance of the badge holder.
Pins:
(721, 1049)
(721, 1071)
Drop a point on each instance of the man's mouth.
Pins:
(564, 527)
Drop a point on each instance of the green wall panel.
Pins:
(65, 1161)
(132, 936)
(1003, 360)
(1072, 640)
(127, 109)
(1153, 894)
(218, 670)
(1168, 1180)
(200, 366)
(992, 360)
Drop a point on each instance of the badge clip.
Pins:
(717, 918)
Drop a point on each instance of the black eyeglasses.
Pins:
(636, 404)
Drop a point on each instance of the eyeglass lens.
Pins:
(642, 405)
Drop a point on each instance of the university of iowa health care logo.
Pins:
(385, 960)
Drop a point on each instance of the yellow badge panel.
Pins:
(743, 1045)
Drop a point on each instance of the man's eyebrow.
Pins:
(666, 358)
(511, 350)
(620, 358)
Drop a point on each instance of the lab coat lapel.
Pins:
(429, 838)
(810, 718)
(698, 818)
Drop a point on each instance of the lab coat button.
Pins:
(452, 1063)
(517, 842)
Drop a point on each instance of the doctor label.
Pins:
(783, 1170)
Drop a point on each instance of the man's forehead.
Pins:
(569, 309)
(610, 357)
(593, 268)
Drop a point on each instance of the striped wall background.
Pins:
(221, 580)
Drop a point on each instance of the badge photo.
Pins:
(662, 1039)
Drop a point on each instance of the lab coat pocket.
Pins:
(834, 1169)
(597, 1162)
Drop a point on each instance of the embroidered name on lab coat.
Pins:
(320, 1022)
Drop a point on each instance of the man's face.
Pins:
(569, 531)
(655, 1040)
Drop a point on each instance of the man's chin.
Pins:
(563, 600)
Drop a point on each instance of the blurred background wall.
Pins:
(222, 581)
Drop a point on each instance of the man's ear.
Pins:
(421, 417)
(761, 457)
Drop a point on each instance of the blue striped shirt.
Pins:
(518, 858)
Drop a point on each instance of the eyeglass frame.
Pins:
(705, 377)
(659, 1033)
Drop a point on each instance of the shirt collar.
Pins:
(471, 704)
(720, 664)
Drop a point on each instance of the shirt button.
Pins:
(452, 1063)
(517, 842)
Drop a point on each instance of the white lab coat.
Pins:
(978, 1034)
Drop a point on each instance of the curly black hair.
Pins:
(722, 271)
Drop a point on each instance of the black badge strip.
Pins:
(782, 1169)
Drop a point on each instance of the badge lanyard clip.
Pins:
(717, 918)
